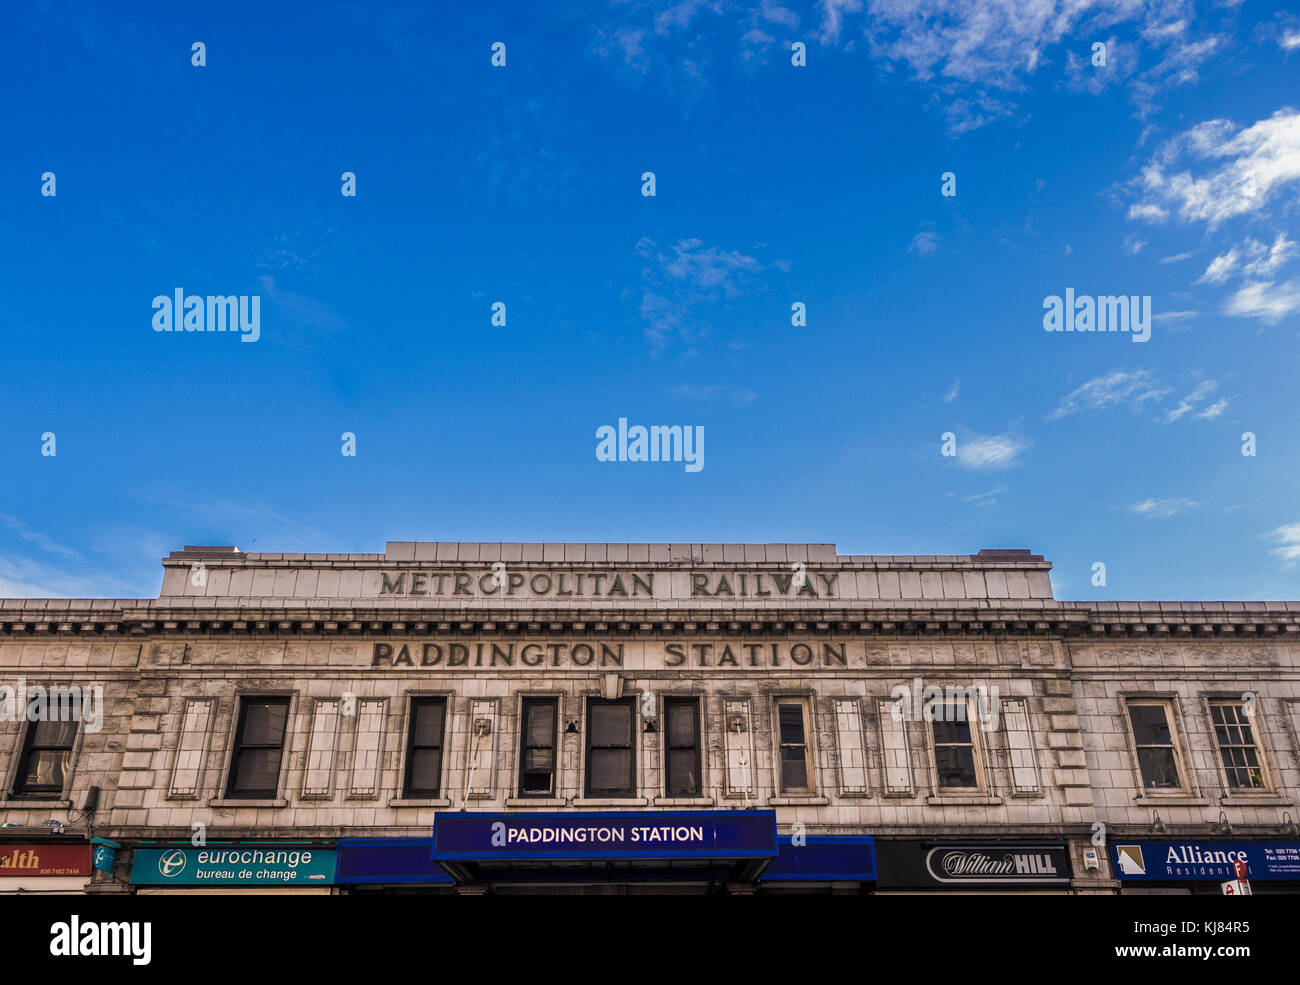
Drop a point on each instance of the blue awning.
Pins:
(824, 858)
(389, 860)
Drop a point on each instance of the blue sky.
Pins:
(1171, 172)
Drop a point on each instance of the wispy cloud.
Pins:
(685, 278)
(689, 391)
(924, 242)
(1287, 538)
(952, 394)
(989, 498)
(39, 539)
(1162, 509)
(1187, 405)
(989, 452)
(1269, 302)
(1263, 261)
(1115, 389)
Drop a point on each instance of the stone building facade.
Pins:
(465, 717)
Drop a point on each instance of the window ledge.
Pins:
(1178, 798)
(19, 802)
(1265, 798)
(963, 800)
(268, 803)
(610, 801)
(683, 801)
(810, 800)
(420, 802)
(536, 802)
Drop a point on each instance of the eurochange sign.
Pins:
(244, 865)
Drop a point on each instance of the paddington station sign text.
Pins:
(502, 581)
(473, 655)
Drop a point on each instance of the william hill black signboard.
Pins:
(976, 864)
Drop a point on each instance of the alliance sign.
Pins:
(1207, 861)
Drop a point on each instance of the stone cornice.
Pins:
(135, 619)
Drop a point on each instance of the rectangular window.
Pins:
(1236, 740)
(424, 747)
(259, 748)
(792, 728)
(1154, 739)
(611, 764)
(954, 746)
(537, 747)
(43, 767)
(682, 747)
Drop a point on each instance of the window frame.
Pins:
(980, 785)
(415, 701)
(630, 703)
(804, 703)
(1170, 705)
(16, 789)
(525, 701)
(692, 701)
(237, 745)
(1255, 723)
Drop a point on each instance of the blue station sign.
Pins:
(720, 835)
(1208, 861)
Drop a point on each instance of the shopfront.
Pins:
(391, 866)
(1198, 867)
(54, 868)
(259, 868)
(821, 864)
(975, 866)
(686, 851)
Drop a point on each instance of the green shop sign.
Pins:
(239, 865)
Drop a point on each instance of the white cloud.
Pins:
(1188, 403)
(951, 395)
(1288, 539)
(1176, 258)
(1241, 170)
(1113, 389)
(1270, 259)
(690, 391)
(924, 242)
(37, 538)
(1264, 261)
(1148, 212)
(685, 280)
(1269, 301)
(1162, 509)
(1221, 267)
(987, 452)
(989, 498)
(26, 578)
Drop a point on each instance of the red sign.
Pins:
(1239, 869)
(44, 860)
